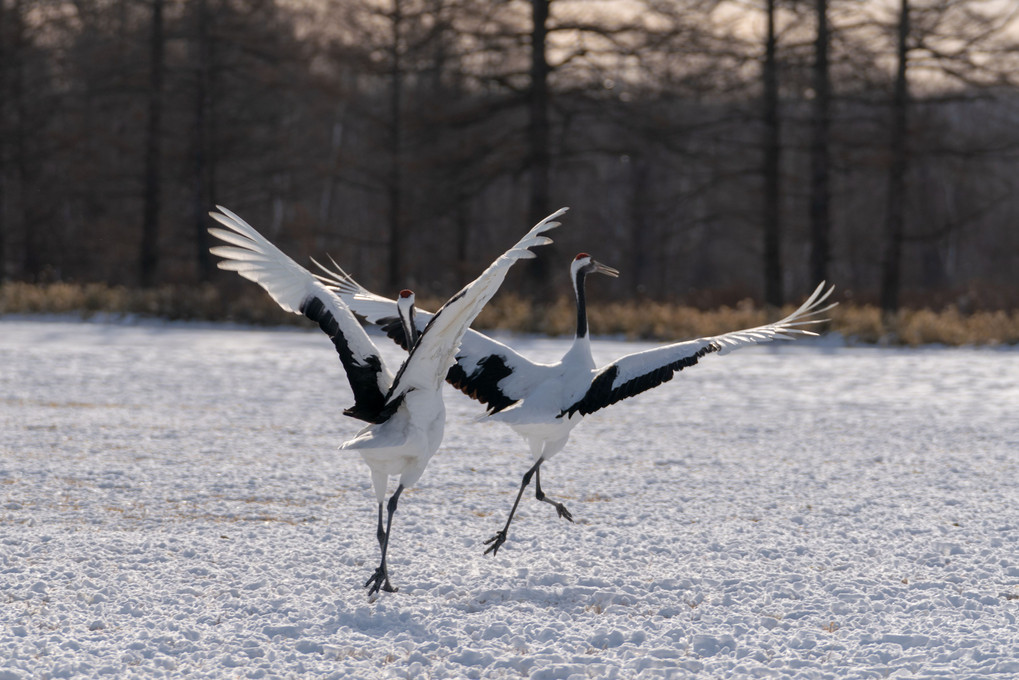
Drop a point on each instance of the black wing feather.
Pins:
(369, 401)
(602, 394)
(393, 328)
(483, 382)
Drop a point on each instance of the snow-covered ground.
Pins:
(172, 504)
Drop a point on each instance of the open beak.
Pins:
(604, 269)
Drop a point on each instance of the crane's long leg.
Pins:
(380, 579)
(540, 495)
(380, 533)
(496, 541)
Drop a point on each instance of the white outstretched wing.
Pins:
(635, 373)
(481, 363)
(297, 290)
(432, 356)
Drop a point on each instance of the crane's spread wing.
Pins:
(433, 354)
(635, 373)
(296, 290)
(481, 363)
(491, 373)
(374, 309)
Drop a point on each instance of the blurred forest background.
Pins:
(712, 150)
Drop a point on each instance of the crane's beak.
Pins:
(604, 269)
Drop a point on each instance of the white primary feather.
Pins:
(637, 364)
(252, 256)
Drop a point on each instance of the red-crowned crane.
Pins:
(544, 402)
(405, 413)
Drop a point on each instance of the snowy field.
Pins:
(172, 504)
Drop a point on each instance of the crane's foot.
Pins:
(540, 495)
(495, 543)
(379, 580)
(561, 509)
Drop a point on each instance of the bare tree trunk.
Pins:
(395, 275)
(325, 204)
(201, 197)
(820, 193)
(538, 131)
(896, 217)
(772, 167)
(462, 235)
(4, 134)
(640, 223)
(153, 153)
(31, 256)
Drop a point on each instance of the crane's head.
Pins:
(584, 263)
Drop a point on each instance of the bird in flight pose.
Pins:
(544, 402)
(405, 413)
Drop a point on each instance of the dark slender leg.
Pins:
(540, 495)
(380, 579)
(381, 531)
(496, 541)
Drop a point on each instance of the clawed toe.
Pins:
(374, 582)
(563, 512)
(495, 541)
(379, 581)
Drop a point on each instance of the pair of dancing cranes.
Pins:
(405, 412)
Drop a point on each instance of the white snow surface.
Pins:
(172, 504)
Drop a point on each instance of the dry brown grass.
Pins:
(912, 327)
(637, 320)
(205, 303)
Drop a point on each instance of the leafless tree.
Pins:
(771, 168)
(538, 125)
(820, 154)
(963, 50)
(897, 169)
(26, 165)
(410, 154)
(4, 136)
(200, 47)
(149, 259)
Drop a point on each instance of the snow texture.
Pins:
(172, 504)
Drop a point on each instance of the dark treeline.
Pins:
(710, 150)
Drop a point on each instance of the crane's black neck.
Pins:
(410, 331)
(581, 304)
